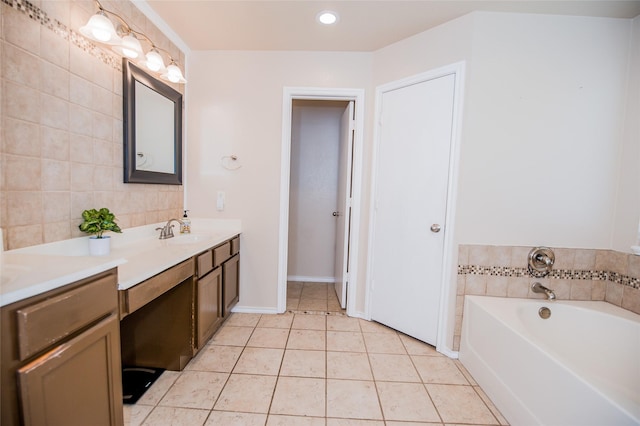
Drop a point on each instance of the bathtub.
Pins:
(581, 366)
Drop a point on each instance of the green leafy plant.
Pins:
(98, 222)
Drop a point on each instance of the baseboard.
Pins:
(306, 279)
(254, 310)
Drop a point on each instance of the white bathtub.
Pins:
(579, 367)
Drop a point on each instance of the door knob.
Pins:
(435, 228)
(335, 214)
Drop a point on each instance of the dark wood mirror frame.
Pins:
(131, 74)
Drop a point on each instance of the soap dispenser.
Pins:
(185, 226)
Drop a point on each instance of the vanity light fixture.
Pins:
(327, 17)
(126, 42)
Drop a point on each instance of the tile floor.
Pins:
(307, 367)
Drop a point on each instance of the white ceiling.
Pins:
(364, 25)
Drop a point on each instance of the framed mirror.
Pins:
(152, 129)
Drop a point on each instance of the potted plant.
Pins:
(97, 222)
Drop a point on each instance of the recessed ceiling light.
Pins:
(327, 17)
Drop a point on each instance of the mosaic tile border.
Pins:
(561, 274)
(39, 15)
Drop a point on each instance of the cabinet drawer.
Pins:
(235, 246)
(42, 324)
(221, 254)
(205, 263)
(141, 294)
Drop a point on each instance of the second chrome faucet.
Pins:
(539, 288)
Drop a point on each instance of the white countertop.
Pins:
(137, 253)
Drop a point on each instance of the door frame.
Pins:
(320, 94)
(448, 285)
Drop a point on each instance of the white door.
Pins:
(411, 180)
(343, 210)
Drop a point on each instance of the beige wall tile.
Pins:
(80, 120)
(497, 286)
(55, 143)
(21, 137)
(564, 258)
(54, 112)
(81, 177)
(81, 148)
(57, 206)
(499, 255)
(631, 299)
(520, 256)
(20, 66)
(23, 236)
(80, 91)
(56, 231)
(56, 175)
(598, 290)
(518, 287)
(479, 255)
(22, 173)
(54, 80)
(581, 290)
(633, 268)
(20, 102)
(614, 293)
(585, 259)
(54, 49)
(20, 30)
(476, 284)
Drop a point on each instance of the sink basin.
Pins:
(188, 239)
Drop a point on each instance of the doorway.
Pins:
(320, 187)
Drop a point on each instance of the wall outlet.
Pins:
(220, 201)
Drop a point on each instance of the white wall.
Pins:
(627, 214)
(235, 107)
(541, 137)
(315, 149)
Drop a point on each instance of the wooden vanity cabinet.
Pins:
(231, 278)
(61, 356)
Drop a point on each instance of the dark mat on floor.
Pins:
(136, 381)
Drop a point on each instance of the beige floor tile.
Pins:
(299, 396)
(294, 289)
(352, 399)
(348, 365)
(309, 322)
(247, 393)
(276, 320)
(393, 368)
(172, 416)
(302, 363)
(315, 291)
(383, 343)
(312, 305)
(228, 418)
(460, 404)
(307, 339)
(438, 370)
(406, 402)
(243, 320)
(215, 358)
(342, 323)
(259, 361)
(135, 414)
(333, 305)
(355, 422)
(494, 410)
(416, 347)
(345, 341)
(269, 338)
(374, 327)
(232, 336)
(277, 420)
(195, 389)
(465, 373)
(154, 394)
(292, 303)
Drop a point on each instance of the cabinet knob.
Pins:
(435, 228)
(335, 214)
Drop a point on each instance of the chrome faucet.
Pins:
(539, 288)
(167, 230)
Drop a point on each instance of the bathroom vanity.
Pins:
(70, 321)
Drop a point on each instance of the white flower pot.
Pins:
(99, 246)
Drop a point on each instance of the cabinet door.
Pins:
(230, 277)
(209, 288)
(76, 383)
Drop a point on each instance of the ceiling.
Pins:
(363, 26)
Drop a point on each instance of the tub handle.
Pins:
(541, 260)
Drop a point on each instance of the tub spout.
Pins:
(539, 288)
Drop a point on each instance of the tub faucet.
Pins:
(539, 288)
(167, 230)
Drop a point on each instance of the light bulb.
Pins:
(173, 74)
(154, 61)
(100, 28)
(130, 47)
(327, 17)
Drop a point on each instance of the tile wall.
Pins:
(578, 274)
(61, 130)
